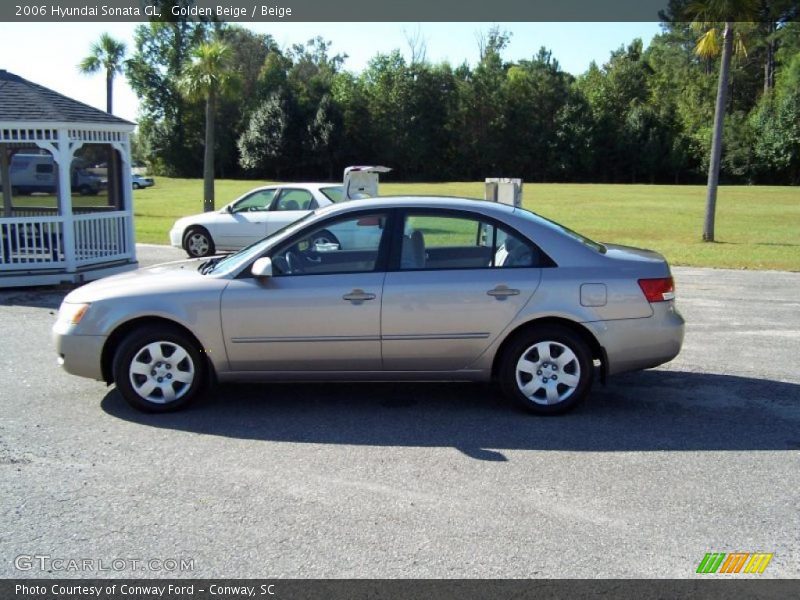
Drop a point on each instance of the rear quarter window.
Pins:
(334, 193)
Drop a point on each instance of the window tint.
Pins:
(334, 193)
(44, 168)
(294, 199)
(531, 216)
(257, 201)
(348, 245)
(440, 242)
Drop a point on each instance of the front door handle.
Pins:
(501, 292)
(357, 296)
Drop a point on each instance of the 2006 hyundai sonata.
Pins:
(400, 289)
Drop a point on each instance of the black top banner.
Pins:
(330, 11)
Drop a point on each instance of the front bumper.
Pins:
(79, 354)
(634, 344)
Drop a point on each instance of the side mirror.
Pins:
(229, 208)
(262, 267)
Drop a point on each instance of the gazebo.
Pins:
(60, 222)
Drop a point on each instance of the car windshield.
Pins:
(597, 247)
(334, 193)
(233, 261)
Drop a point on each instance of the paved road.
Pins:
(416, 480)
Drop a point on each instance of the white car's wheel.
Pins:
(547, 370)
(198, 243)
(323, 237)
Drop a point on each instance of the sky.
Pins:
(47, 53)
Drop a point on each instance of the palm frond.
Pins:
(708, 45)
(210, 69)
(90, 64)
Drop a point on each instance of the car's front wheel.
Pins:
(159, 369)
(136, 186)
(547, 370)
(198, 243)
(324, 237)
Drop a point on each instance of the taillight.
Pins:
(658, 290)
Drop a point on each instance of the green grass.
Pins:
(758, 227)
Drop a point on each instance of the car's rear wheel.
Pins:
(136, 186)
(547, 370)
(159, 369)
(198, 243)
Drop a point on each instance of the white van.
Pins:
(31, 173)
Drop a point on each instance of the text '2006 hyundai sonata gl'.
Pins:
(384, 289)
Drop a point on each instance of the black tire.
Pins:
(323, 237)
(134, 350)
(198, 243)
(136, 186)
(85, 190)
(551, 385)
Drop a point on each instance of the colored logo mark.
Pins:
(735, 562)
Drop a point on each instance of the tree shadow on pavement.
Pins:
(647, 411)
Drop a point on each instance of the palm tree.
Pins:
(209, 76)
(108, 54)
(709, 16)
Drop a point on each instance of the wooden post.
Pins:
(127, 195)
(6, 177)
(64, 159)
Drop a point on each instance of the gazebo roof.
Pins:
(24, 101)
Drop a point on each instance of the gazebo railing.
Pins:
(101, 237)
(49, 211)
(28, 243)
(31, 243)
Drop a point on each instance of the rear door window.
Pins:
(295, 199)
(462, 242)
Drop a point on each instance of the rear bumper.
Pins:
(633, 344)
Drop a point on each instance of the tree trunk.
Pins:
(208, 156)
(109, 91)
(716, 137)
(769, 60)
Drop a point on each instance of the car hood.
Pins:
(159, 279)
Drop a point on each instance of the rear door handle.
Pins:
(501, 292)
(357, 296)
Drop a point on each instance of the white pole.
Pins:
(127, 196)
(64, 159)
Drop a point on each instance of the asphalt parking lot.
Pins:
(418, 480)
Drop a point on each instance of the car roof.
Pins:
(315, 186)
(444, 202)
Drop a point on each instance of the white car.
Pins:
(139, 181)
(265, 210)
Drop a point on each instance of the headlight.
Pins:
(72, 313)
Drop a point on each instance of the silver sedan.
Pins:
(413, 289)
